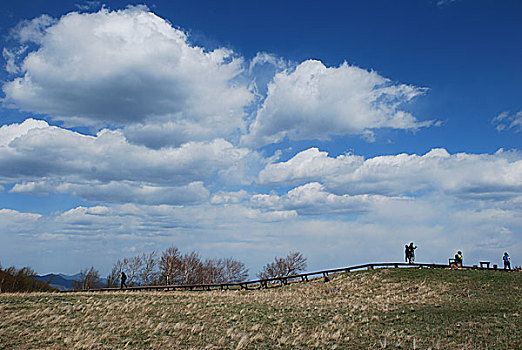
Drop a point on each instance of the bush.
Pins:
(13, 280)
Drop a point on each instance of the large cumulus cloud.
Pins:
(313, 101)
(125, 67)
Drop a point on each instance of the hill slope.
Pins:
(404, 308)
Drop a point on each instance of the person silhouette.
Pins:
(507, 263)
(123, 280)
(411, 253)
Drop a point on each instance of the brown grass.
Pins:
(374, 309)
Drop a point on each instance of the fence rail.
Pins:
(276, 281)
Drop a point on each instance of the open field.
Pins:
(398, 308)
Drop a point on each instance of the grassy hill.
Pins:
(401, 308)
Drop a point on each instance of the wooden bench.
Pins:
(453, 263)
(485, 264)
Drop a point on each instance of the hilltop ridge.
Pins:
(384, 308)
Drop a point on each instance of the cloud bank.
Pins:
(481, 176)
(43, 159)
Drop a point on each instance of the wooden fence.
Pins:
(277, 281)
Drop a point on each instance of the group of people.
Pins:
(410, 253)
(505, 258)
(410, 257)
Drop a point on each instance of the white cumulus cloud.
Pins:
(313, 199)
(10, 132)
(313, 101)
(471, 176)
(129, 66)
(44, 159)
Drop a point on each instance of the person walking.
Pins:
(123, 280)
(507, 263)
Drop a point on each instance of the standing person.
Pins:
(507, 263)
(458, 259)
(123, 280)
(406, 253)
(412, 248)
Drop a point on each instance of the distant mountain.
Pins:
(63, 282)
(60, 281)
(71, 277)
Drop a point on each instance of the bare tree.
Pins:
(191, 271)
(180, 269)
(274, 269)
(132, 267)
(140, 270)
(292, 264)
(223, 270)
(295, 263)
(169, 265)
(176, 268)
(89, 279)
(114, 276)
(147, 273)
(212, 271)
(232, 270)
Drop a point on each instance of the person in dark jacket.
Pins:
(412, 248)
(123, 280)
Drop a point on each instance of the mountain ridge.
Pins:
(62, 281)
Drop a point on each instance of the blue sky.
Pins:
(250, 129)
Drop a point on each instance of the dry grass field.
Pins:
(404, 309)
